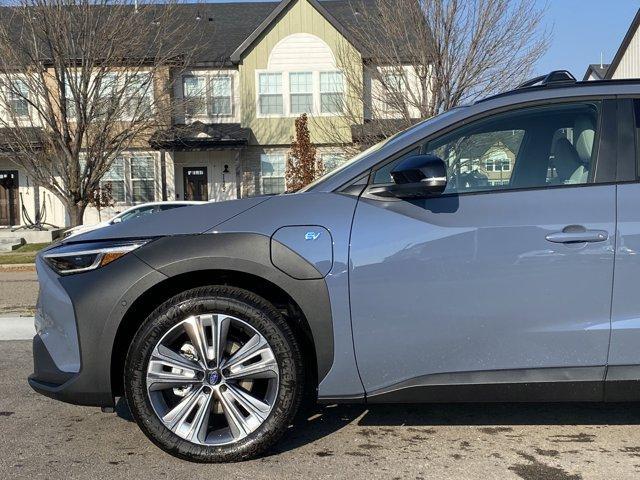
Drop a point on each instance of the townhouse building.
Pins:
(256, 67)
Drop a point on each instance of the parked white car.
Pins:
(129, 214)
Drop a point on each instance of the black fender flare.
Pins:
(250, 253)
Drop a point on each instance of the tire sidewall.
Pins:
(256, 312)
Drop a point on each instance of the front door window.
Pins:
(528, 148)
(196, 184)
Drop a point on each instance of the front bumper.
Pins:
(77, 321)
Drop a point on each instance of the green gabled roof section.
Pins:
(344, 7)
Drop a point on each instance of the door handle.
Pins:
(577, 234)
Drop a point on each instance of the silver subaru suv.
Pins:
(469, 258)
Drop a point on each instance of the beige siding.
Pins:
(301, 51)
(629, 66)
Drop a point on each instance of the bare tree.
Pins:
(423, 57)
(83, 81)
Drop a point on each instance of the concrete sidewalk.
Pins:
(16, 328)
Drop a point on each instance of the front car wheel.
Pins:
(214, 374)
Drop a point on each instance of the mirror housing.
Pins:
(419, 176)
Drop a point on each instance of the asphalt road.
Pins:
(42, 438)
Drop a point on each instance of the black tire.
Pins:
(262, 316)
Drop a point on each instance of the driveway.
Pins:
(42, 438)
(18, 292)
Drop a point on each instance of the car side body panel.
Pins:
(334, 212)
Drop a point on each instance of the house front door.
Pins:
(8, 197)
(196, 184)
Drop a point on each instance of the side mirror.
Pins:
(419, 176)
(116, 220)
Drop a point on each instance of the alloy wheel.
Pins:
(212, 379)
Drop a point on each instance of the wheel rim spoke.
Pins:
(254, 360)
(190, 418)
(239, 424)
(179, 413)
(195, 328)
(265, 367)
(183, 372)
(220, 332)
(198, 428)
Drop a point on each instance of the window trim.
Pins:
(12, 97)
(286, 93)
(128, 178)
(291, 94)
(321, 92)
(608, 121)
(212, 97)
(185, 97)
(284, 88)
(284, 155)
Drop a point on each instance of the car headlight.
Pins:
(82, 257)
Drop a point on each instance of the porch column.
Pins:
(238, 175)
(163, 174)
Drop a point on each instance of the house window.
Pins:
(331, 161)
(395, 87)
(195, 95)
(107, 95)
(115, 177)
(138, 93)
(143, 179)
(331, 92)
(273, 168)
(221, 95)
(301, 88)
(18, 103)
(497, 165)
(270, 94)
(70, 101)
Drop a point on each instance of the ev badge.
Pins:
(311, 235)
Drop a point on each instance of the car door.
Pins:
(507, 276)
(623, 370)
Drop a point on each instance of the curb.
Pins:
(18, 267)
(17, 328)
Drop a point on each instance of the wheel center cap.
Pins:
(213, 377)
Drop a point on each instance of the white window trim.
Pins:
(128, 179)
(285, 156)
(211, 96)
(312, 93)
(285, 96)
(286, 93)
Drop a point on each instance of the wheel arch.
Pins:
(153, 297)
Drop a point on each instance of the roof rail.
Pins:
(553, 78)
(557, 78)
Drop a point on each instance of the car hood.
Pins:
(178, 221)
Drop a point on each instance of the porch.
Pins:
(203, 160)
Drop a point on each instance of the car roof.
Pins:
(521, 96)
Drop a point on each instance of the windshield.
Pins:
(376, 147)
